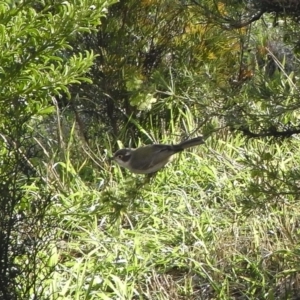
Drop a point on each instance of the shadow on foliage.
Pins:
(26, 228)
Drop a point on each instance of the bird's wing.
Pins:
(161, 153)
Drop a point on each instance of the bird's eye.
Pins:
(120, 156)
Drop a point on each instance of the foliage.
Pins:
(221, 221)
(223, 224)
(146, 65)
(35, 66)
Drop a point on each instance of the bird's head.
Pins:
(122, 157)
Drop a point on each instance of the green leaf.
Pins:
(46, 111)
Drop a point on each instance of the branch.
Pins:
(231, 23)
(271, 133)
(241, 24)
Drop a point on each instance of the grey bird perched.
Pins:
(151, 158)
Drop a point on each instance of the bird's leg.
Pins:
(147, 179)
(149, 176)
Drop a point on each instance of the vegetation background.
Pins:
(81, 79)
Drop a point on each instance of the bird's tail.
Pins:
(192, 142)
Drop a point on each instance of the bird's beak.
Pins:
(110, 159)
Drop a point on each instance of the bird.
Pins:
(151, 158)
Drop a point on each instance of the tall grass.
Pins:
(219, 222)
